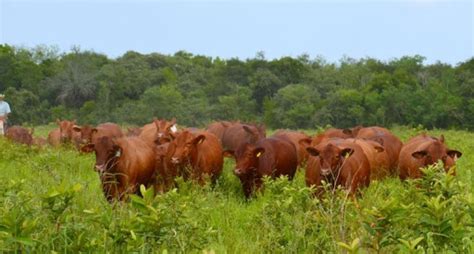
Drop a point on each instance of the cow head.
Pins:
(165, 130)
(436, 151)
(331, 158)
(107, 152)
(66, 129)
(246, 158)
(86, 132)
(183, 145)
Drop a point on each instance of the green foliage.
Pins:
(287, 93)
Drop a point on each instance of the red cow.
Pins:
(272, 157)
(123, 165)
(390, 142)
(422, 151)
(54, 138)
(89, 134)
(67, 134)
(20, 135)
(378, 158)
(340, 163)
(150, 131)
(295, 138)
(196, 155)
(239, 134)
(219, 128)
(165, 171)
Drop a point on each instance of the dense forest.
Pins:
(43, 84)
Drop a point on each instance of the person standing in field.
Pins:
(4, 111)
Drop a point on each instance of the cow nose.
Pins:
(325, 171)
(174, 160)
(99, 168)
(238, 171)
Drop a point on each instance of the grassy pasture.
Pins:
(51, 201)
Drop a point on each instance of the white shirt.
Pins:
(4, 108)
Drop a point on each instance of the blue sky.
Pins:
(386, 29)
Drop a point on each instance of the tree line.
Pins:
(43, 84)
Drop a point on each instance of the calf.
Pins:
(196, 155)
(20, 135)
(422, 151)
(272, 157)
(340, 163)
(239, 134)
(66, 130)
(390, 142)
(54, 138)
(123, 165)
(295, 137)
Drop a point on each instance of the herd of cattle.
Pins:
(157, 153)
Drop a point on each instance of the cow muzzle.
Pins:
(175, 160)
(238, 171)
(100, 168)
(325, 171)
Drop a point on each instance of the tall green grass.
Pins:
(51, 201)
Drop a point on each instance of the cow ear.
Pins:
(346, 152)
(199, 139)
(228, 153)
(454, 154)
(379, 149)
(305, 142)
(441, 139)
(259, 151)
(419, 154)
(76, 128)
(312, 151)
(87, 148)
(173, 121)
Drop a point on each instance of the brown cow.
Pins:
(340, 163)
(331, 133)
(239, 134)
(295, 138)
(196, 155)
(67, 134)
(20, 135)
(378, 158)
(219, 128)
(150, 131)
(423, 150)
(54, 138)
(272, 157)
(89, 134)
(123, 165)
(390, 142)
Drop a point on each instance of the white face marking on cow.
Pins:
(174, 128)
